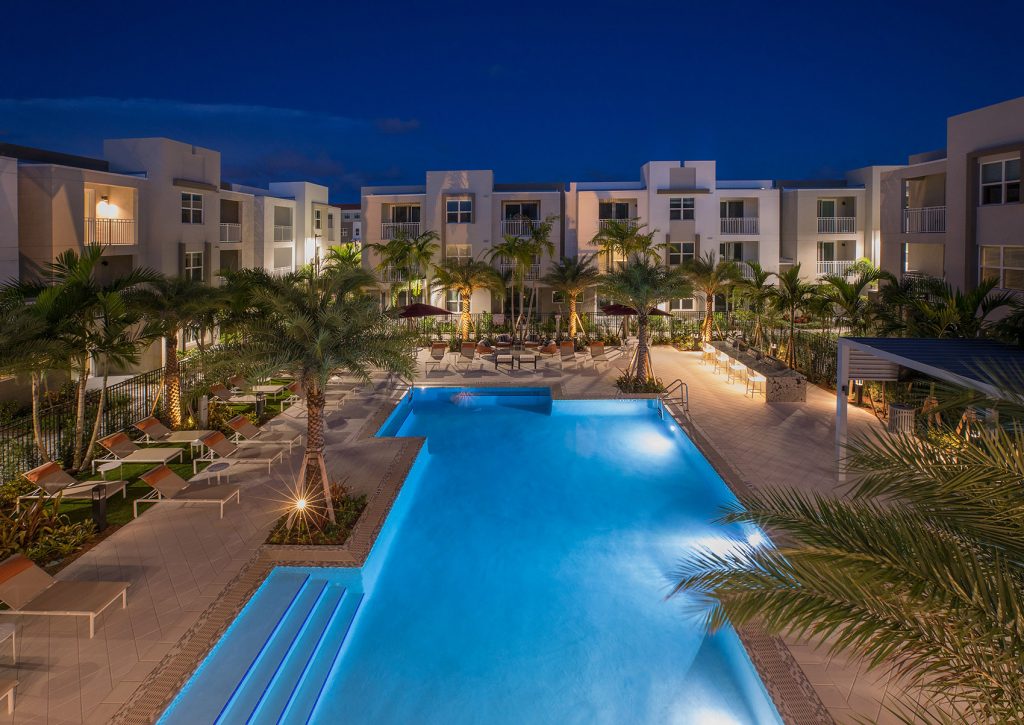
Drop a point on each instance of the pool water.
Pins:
(521, 578)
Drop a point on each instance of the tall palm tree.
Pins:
(945, 312)
(312, 325)
(573, 276)
(621, 239)
(790, 296)
(423, 249)
(465, 278)
(176, 304)
(756, 292)
(921, 567)
(521, 252)
(345, 256)
(409, 255)
(848, 299)
(539, 245)
(643, 283)
(710, 277)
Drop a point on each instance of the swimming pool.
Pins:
(521, 577)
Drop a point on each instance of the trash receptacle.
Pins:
(261, 404)
(99, 507)
(901, 418)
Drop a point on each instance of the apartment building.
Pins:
(957, 213)
(351, 220)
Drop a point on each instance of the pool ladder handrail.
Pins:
(684, 394)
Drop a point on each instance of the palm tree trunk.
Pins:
(572, 316)
(83, 379)
(37, 424)
(641, 347)
(172, 382)
(96, 424)
(465, 317)
(791, 346)
(316, 401)
(707, 326)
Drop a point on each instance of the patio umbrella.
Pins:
(625, 310)
(418, 309)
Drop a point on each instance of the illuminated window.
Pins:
(1005, 264)
(1000, 182)
(459, 211)
(681, 305)
(453, 301)
(191, 208)
(680, 208)
(679, 252)
(194, 264)
(459, 252)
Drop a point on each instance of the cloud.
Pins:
(397, 125)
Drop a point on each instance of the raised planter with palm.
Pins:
(756, 293)
(572, 277)
(465, 278)
(710, 277)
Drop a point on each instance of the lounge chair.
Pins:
(153, 431)
(238, 383)
(503, 342)
(246, 433)
(121, 448)
(438, 355)
(567, 353)
(169, 486)
(50, 479)
(467, 354)
(483, 347)
(27, 589)
(221, 393)
(598, 354)
(219, 447)
(7, 688)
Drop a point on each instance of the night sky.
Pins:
(349, 94)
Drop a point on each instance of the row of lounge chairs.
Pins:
(564, 353)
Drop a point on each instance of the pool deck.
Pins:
(182, 560)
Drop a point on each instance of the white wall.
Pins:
(8, 219)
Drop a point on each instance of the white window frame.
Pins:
(1004, 184)
(191, 203)
(291, 252)
(614, 211)
(410, 211)
(453, 299)
(686, 251)
(464, 252)
(985, 271)
(462, 213)
(678, 305)
(507, 215)
(680, 208)
(318, 221)
(193, 269)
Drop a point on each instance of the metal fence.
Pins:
(816, 350)
(127, 402)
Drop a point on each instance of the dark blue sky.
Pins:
(376, 93)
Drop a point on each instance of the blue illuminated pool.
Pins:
(520, 578)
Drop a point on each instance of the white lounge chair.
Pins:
(50, 479)
(219, 447)
(153, 431)
(122, 448)
(169, 486)
(247, 433)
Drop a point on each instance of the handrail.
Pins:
(684, 394)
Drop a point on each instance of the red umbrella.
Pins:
(626, 310)
(418, 309)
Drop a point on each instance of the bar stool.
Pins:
(736, 370)
(722, 362)
(707, 354)
(755, 384)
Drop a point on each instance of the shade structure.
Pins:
(625, 310)
(418, 309)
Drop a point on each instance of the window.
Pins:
(731, 209)
(679, 252)
(618, 210)
(557, 297)
(191, 208)
(453, 301)
(680, 305)
(405, 214)
(330, 221)
(229, 260)
(1005, 264)
(344, 232)
(194, 265)
(827, 208)
(459, 252)
(459, 211)
(283, 258)
(1000, 182)
(731, 250)
(282, 224)
(680, 208)
(522, 210)
(318, 221)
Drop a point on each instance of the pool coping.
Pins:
(791, 692)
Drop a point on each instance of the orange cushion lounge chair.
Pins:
(219, 447)
(169, 486)
(50, 479)
(246, 433)
(122, 448)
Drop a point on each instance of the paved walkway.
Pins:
(179, 559)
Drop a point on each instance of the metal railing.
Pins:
(603, 224)
(230, 232)
(744, 271)
(741, 225)
(836, 224)
(835, 267)
(389, 230)
(924, 220)
(532, 272)
(110, 231)
(283, 233)
(518, 227)
(684, 394)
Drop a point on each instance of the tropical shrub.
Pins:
(631, 384)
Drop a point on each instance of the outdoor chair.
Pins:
(707, 354)
(598, 354)
(503, 341)
(483, 347)
(567, 353)
(7, 687)
(50, 479)
(29, 590)
(438, 355)
(219, 447)
(532, 342)
(756, 383)
(467, 354)
(737, 370)
(333, 400)
(238, 383)
(169, 486)
(153, 431)
(122, 448)
(722, 361)
(247, 433)
(220, 393)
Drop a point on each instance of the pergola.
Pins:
(982, 365)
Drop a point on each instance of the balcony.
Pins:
(390, 230)
(835, 267)
(603, 224)
(744, 270)
(741, 225)
(837, 224)
(230, 232)
(924, 220)
(283, 233)
(110, 231)
(517, 227)
(532, 272)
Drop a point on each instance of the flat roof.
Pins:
(33, 155)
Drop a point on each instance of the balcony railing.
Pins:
(532, 272)
(230, 232)
(283, 233)
(745, 271)
(741, 225)
(836, 224)
(517, 227)
(110, 231)
(835, 267)
(390, 230)
(603, 224)
(924, 220)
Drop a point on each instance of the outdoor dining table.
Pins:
(515, 358)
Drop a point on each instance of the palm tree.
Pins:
(944, 312)
(789, 296)
(538, 244)
(920, 567)
(312, 325)
(643, 283)
(621, 239)
(523, 251)
(848, 301)
(710, 278)
(465, 278)
(408, 255)
(345, 256)
(572, 277)
(176, 304)
(756, 293)
(422, 250)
